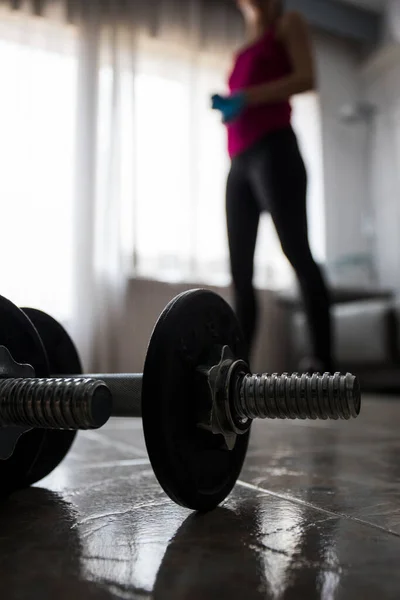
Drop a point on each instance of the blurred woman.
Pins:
(267, 170)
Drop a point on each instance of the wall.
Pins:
(344, 148)
(381, 79)
(391, 33)
(362, 156)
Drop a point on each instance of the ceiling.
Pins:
(375, 5)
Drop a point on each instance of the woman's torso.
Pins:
(263, 62)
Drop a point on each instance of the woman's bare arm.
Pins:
(295, 36)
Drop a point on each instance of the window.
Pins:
(181, 167)
(169, 165)
(179, 159)
(38, 69)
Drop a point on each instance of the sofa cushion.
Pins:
(365, 333)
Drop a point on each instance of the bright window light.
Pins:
(37, 124)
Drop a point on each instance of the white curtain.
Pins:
(115, 166)
(38, 71)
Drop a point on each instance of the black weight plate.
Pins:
(19, 335)
(192, 465)
(61, 352)
(63, 359)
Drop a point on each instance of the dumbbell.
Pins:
(197, 398)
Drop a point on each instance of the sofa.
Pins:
(366, 335)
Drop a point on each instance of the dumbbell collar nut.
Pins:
(219, 383)
(10, 369)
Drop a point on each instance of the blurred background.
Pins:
(113, 171)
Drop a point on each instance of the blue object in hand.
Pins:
(229, 106)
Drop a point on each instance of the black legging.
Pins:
(271, 177)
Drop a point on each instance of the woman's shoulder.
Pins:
(291, 20)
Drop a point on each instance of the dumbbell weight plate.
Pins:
(61, 352)
(63, 359)
(192, 465)
(18, 334)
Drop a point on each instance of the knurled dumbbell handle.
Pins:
(126, 391)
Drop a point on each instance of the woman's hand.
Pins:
(229, 106)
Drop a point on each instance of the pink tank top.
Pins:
(262, 62)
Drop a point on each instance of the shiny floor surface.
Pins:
(316, 514)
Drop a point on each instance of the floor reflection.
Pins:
(213, 556)
(299, 543)
(315, 567)
(41, 550)
(125, 545)
(256, 547)
(290, 530)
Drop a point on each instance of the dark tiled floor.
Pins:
(315, 515)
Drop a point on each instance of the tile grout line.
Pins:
(133, 462)
(105, 441)
(332, 513)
